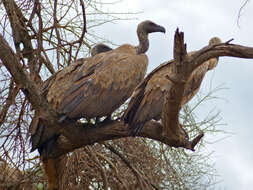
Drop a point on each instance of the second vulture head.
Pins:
(99, 48)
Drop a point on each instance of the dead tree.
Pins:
(76, 134)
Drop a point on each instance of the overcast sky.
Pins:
(200, 20)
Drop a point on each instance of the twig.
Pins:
(240, 11)
(84, 30)
(140, 178)
(94, 158)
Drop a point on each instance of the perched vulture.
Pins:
(148, 98)
(100, 84)
(36, 129)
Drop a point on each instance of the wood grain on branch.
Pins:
(87, 134)
(173, 100)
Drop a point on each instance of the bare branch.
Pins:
(141, 179)
(84, 30)
(179, 46)
(173, 100)
(240, 11)
(9, 59)
(21, 35)
(13, 91)
(90, 134)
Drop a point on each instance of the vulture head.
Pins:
(99, 48)
(143, 29)
(213, 62)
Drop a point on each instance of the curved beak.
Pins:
(160, 29)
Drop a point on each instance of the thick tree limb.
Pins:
(76, 135)
(174, 99)
(220, 50)
(90, 134)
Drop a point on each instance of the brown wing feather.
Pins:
(107, 88)
(148, 97)
(196, 78)
(90, 87)
(138, 95)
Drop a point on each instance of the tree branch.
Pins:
(75, 135)
(13, 91)
(21, 35)
(87, 134)
(224, 49)
(174, 98)
(28, 87)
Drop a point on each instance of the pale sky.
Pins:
(201, 20)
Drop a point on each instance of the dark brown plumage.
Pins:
(105, 82)
(100, 84)
(148, 98)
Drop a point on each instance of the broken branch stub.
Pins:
(174, 98)
(179, 47)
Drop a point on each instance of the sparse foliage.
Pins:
(47, 36)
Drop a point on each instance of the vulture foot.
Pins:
(97, 120)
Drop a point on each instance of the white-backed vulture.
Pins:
(98, 48)
(104, 82)
(148, 98)
(36, 130)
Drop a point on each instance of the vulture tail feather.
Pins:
(43, 139)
